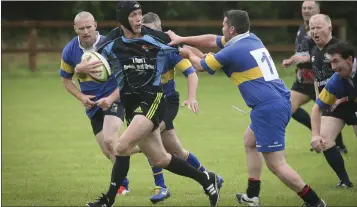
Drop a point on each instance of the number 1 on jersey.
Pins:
(265, 64)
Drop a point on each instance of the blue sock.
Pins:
(125, 182)
(158, 176)
(193, 161)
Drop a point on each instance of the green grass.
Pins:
(50, 157)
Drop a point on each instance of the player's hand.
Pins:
(287, 62)
(86, 101)
(338, 102)
(296, 59)
(317, 143)
(88, 67)
(185, 52)
(175, 39)
(191, 104)
(104, 103)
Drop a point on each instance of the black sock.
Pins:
(335, 160)
(309, 195)
(181, 167)
(302, 117)
(253, 188)
(339, 141)
(119, 172)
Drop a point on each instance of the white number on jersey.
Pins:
(265, 63)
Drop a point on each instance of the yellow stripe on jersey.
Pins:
(183, 65)
(84, 78)
(223, 41)
(327, 97)
(241, 77)
(212, 63)
(66, 67)
(169, 75)
(154, 106)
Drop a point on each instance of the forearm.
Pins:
(316, 89)
(196, 62)
(192, 83)
(197, 52)
(115, 95)
(71, 88)
(315, 120)
(207, 40)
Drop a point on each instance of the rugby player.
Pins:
(140, 55)
(105, 112)
(246, 61)
(332, 122)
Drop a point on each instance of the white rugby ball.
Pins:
(105, 70)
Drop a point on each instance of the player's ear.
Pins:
(95, 25)
(75, 28)
(350, 59)
(330, 29)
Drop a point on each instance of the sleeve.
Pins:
(66, 68)
(214, 62)
(329, 94)
(114, 62)
(183, 65)
(305, 48)
(220, 41)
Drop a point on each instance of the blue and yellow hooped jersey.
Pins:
(175, 62)
(71, 56)
(337, 88)
(246, 61)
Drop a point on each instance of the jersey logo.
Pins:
(138, 110)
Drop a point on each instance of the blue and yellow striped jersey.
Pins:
(175, 62)
(71, 56)
(246, 61)
(337, 88)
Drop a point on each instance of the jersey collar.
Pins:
(94, 45)
(237, 38)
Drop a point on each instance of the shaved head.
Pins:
(83, 15)
(85, 26)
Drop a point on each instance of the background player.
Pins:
(106, 114)
(303, 89)
(340, 86)
(249, 65)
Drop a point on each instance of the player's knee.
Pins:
(123, 149)
(160, 161)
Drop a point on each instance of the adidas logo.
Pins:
(211, 190)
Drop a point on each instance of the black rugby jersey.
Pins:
(303, 44)
(321, 64)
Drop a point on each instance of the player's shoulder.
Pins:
(160, 35)
(71, 47)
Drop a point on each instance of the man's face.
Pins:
(309, 9)
(341, 66)
(86, 30)
(135, 20)
(320, 31)
(226, 30)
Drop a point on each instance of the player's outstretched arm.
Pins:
(186, 52)
(191, 102)
(207, 40)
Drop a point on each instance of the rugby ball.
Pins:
(105, 70)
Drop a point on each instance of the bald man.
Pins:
(101, 100)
